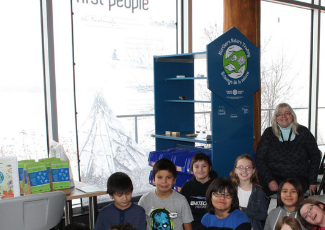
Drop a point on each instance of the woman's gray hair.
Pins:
(286, 107)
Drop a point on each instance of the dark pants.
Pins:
(303, 181)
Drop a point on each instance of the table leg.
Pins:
(68, 212)
(92, 211)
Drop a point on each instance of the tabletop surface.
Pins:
(76, 194)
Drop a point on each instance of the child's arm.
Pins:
(187, 226)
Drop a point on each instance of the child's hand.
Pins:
(273, 185)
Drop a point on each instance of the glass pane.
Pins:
(207, 26)
(285, 60)
(207, 22)
(146, 126)
(114, 48)
(321, 92)
(64, 81)
(22, 118)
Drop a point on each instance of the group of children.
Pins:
(206, 201)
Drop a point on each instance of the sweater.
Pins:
(194, 192)
(300, 157)
(276, 215)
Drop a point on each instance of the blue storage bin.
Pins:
(150, 178)
(155, 155)
(180, 160)
(180, 180)
(169, 155)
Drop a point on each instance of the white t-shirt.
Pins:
(243, 197)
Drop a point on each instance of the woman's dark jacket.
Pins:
(299, 157)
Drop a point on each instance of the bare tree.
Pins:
(276, 84)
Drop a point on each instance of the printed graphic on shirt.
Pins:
(199, 203)
(161, 219)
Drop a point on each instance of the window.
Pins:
(22, 118)
(207, 23)
(64, 81)
(321, 93)
(114, 48)
(205, 30)
(285, 59)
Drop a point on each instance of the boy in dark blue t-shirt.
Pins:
(120, 188)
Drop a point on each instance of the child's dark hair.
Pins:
(164, 164)
(292, 222)
(304, 222)
(201, 157)
(295, 184)
(235, 178)
(220, 185)
(125, 226)
(76, 226)
(119, 182)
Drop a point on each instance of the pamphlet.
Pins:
(21, 173)
(9, 178)
(38, 179)
(60, 175)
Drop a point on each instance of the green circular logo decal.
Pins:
(234, 61)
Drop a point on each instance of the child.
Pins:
(120, 188)
(290, 194)
(311, 214)
(288, 223)
(164, 207)
(194, 190)
(252, 199)
(223, 207)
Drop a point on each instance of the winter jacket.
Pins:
(256, 209)
(299, 157)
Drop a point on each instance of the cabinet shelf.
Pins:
(232, 105)
(183, 137)
(187, 101)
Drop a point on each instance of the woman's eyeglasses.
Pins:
(283, 114)
(248, 168)
(219, 194)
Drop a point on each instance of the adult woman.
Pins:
(311, 214)
(287, 150)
